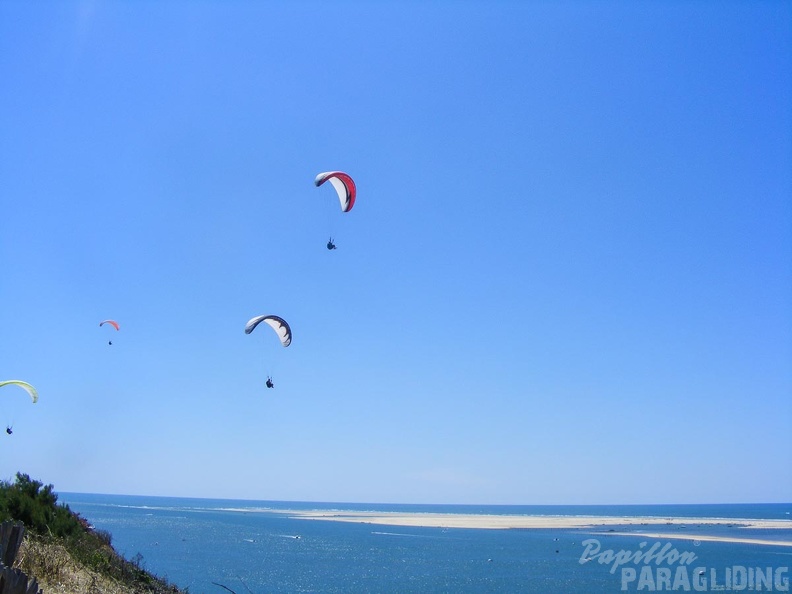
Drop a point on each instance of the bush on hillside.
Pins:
(36, 506)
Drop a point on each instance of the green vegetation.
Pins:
(36, 506)
(58, 539)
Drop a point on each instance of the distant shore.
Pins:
(504, 522)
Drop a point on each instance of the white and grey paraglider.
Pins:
(276, 323)
(281, 328)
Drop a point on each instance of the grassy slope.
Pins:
(63, 552)
(57, 569)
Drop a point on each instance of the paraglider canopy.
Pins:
(113, 323)
(25, 386)
(344, 186)
(276, 323)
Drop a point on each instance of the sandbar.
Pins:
(503, 522)
(707, 538)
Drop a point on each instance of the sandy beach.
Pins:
(503, 522)
(707, 538)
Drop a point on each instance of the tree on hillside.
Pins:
(36, 506)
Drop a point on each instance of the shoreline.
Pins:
(706, 538)
(507, 522)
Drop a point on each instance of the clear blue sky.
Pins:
(567, 277)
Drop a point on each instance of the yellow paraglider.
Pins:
(25, 386)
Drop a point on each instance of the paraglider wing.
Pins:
(278, 324)
(344, 186)
(25, 386)
(113, 323)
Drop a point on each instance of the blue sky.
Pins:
(566, 278)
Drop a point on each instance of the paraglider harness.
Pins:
(269, 383)
(331, 245)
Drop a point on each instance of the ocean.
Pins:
(213, 546)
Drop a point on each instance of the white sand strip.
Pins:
(501, 522)
(704, 538)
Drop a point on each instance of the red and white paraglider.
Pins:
(112, 323)
(345, 188)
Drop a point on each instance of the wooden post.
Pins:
(10, 540)
(13, 581)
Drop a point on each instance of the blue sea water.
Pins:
(247, 546)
